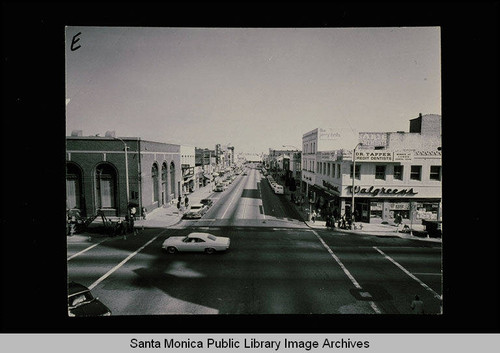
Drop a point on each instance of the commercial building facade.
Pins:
(97, 176)
(395, 173)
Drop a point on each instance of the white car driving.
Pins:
(195, 212)
(201, 242)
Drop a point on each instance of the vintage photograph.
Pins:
(222, 171)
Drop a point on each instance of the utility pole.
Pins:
(353, 178)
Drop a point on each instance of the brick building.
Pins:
(96, 174)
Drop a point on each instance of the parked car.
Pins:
(207, 202)
(278, 189)
(201, 242)
(196, 211)
(81, 302)
(219, 188)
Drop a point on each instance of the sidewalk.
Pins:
(376, 229)
(379, 230)
(160, 217)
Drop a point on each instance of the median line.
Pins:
(364, 294)
(107, 274)
(85, 250)
(408, 273)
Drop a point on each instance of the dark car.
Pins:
(207, 202)
(81, 302)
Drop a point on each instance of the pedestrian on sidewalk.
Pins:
(417, 305)
(133, 211)
(398, 220)
(186, 201)
(343, 222)
(313, 217)
(143, 212)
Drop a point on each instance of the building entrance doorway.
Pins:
(362, 211)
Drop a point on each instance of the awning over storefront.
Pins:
(327, 191)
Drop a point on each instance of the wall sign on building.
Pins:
(383, 156)
(331, 187)
(328, 134)
(376, 191)
(403, 156)
(330, 156)
(373, 138)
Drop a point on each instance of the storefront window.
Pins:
(401, 208)
(376, 210)
(427, 211)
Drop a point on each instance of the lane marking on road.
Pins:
(348, 274)
(408, 273)
(84, 250)
(261, 199)
(232, 199)
(107, 274)
(427, 274)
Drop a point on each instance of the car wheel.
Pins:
(210, 250)
(171, 250)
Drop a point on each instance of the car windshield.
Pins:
(74, 300)
(212, 237)
(194, 208)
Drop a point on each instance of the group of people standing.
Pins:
(128, 225)
(333, 221)
(179, 202)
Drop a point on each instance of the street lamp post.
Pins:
(126, 169)
(353, 178)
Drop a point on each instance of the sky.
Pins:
(253, 88)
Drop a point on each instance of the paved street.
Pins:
(276, 264)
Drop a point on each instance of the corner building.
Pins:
(396, 173)
(96, 174)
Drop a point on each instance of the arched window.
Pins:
(154, 177)
(163, 183)
(172, 178)
(73, 186)
(105, 186)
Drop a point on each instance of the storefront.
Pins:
(188, 177)
(377, 210)
(326, 199)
